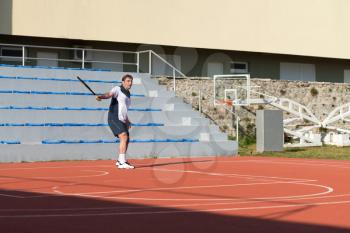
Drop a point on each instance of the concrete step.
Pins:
(179, 118)
(139, 78)
(55, 73)
(46, 85)
(81, 101)
(28, 153)
(26, 134)
(76, 90)
(61, 116)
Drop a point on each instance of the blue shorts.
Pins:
(117, 126)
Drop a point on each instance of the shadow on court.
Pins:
(34, 212)
(172, 163)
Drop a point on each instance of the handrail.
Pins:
(83, 60)
(174, 69)
(69, 60)
(339, 113)
(166, 62)
(66, 48)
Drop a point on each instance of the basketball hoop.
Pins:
(226, 102)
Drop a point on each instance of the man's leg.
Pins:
(123, 146)
(127, 144)
(124, 141)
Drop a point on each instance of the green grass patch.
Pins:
(322, 152)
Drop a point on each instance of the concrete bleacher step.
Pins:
(18, 153)
(181, 130)
(64, 73)
(82, 101)
(139, 78)
(42, 116)
(37, 133)
(35, 71)
(45, 85)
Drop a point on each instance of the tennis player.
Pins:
(118, 119)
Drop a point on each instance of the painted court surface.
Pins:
(243, 194)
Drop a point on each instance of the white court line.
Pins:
(35, 168)
(203, 186)
(8, 195)
(249, 201)
(89, 194)
(285, 197)
(103, 173)
(55, 188)
(328, 190)
(306, 160)
(177, 188)
(175, 211)
(277, 161)
(234, 175)
(206, 173)
(290, 163)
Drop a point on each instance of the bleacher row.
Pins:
(73, 109)
(57, 110)
(54, 67)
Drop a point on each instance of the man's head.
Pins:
(127, 81)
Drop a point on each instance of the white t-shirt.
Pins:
(123, 103)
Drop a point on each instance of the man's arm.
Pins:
(104, 96)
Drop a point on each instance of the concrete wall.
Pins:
(310, 28)
(263, 65)
(330, 96)
(193, 61)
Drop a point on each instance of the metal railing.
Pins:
(78, 57)
(174, 70)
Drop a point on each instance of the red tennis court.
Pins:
(208, 194)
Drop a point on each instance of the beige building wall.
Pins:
(299, 27)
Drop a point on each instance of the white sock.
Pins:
(121, 158)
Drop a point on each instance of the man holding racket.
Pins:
(118, 119)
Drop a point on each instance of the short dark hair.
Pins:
(127, 76)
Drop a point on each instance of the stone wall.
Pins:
(320, 98)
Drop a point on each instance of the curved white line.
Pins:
(233, 175)
(328, 190)
(291, 163)
(103, 173)
(181, 187)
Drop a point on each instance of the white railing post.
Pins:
(23, 55)
(138, 62)
(200, 100)
(237, 131)
(248, 90)
(150, 62)
(231, 110)
(83, 59)
(174, 84)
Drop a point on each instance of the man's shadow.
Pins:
(172, 163)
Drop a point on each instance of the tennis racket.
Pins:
(87, 86)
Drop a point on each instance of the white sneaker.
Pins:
(124, 165)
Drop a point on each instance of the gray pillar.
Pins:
(269, 130)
